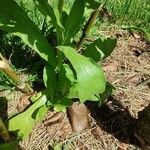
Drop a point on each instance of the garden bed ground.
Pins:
(113, 124)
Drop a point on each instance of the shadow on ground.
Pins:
(117, 121)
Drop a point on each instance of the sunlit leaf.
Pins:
(75, 18)
(29, 6)
(73, 91)
(90, 76)
(54, 13)
(22, 124)
(101, 48)
(13, 19)
(58, 8)
(41, 112)
(66, 78)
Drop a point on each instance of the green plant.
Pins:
(71, 72)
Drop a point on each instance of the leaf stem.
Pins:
(87, 27)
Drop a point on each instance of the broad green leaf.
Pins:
(64, 17)
(69, 85)
(90, 76)
(55, 13)
(23, 123)
(66, 79)
(101, 48)
(50, 82)
(45, 8)
(29, 6)
(74, 19)
(73, 93)
(13, 19)
(41, 112)
(48, 11)
(58, 8)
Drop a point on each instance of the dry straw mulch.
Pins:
(128, 69)
(112, 126)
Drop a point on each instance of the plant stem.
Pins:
(89, 24)
(87, 27)
(4, 66)
(3, 131)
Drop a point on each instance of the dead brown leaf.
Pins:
(78, 114)
(57, 126)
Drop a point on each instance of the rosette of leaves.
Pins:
(67, 74)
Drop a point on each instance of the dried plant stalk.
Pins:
(4, 66)
(4, 132)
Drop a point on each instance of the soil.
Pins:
(113, 126)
